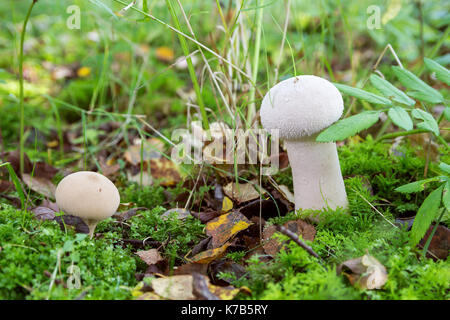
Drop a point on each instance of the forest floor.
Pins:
(108, 97)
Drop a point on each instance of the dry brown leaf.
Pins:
(286, 193)
(148, 296)
(190, 268)
(43, 213)
(152, 149)
(364, 272)
(150, 257)
(241, 192)
(147, 179)
(42, 186)
(181, 213)
(440, 243)
(6, 186)
(166, 171)
(174, 288)
(225, 227)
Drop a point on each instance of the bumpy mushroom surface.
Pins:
(88, 195)
(300, 108)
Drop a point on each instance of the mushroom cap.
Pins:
(88, 195)
(301, 106)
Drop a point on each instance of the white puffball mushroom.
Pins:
(88, 195)
(300, 108)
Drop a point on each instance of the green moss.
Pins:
(148, 196)
(30, 247)
(178, 235)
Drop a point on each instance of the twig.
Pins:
(297, 240)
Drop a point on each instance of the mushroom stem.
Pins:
(92, 224)
(317, 177)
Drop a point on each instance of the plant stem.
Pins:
(400, 134)
(192, 74)
(255, 63)
(430, 237)
(21, 94)
(415, 131)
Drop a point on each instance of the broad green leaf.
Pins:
(446, 196)
(400, 118)
(386, 88)
(447, 113)
(442, 73)
(444, 167)
(416, 186)
(363, 95)
(429, 123)
(420, 90)
(426, 214)
(348, 127)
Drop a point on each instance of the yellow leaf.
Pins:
(210, 255)
(227, 204)
(164, 54)
(225, 227)
(84, 72)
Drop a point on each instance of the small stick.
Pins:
(297, 240)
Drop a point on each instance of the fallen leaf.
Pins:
(13, 157)
(42, 186)
(108, 169)
(440, 243)
(130, 213)
(286, 193)
(200, 287)
(228, 267)
(150, 257)
(204, 290)
(43, 213)
(227, 204)
(49, 204)
(181, 213)
(210, 255)
(166, 171)
(6, 186)
(241, 192)
(148, 296)
(366, 272)
(84, 72)
(152, 149)
(69, 220)
(377, 274)
(204, 217)
(225, 227)
(190, 268)
(165, 54)
(174, 288)
(147, 179)
(44, 170)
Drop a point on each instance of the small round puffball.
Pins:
(301, 106)
(88, 195)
